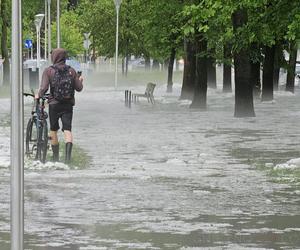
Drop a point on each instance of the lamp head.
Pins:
(38, 20)
(87, 35)
(118, 3)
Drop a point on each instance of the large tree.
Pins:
(242, 64)
(5, 24)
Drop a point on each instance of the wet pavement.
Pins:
(165, 177)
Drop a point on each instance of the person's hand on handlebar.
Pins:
(79, 74)
(36, 96)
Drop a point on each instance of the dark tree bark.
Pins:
(170, 70)
(177, 65)
(166, 64)
(200, 93)
(94, 57)
(72, 4)
(227, 86)
(189, 71)
(147, 63)
(155, 65)
(211, 73)
(277, 60)
(290, 82)
(123, 65)
(255, 78)
(268, 73)
(126, 65)
(276, 77)
(242, 64)
(4, 38)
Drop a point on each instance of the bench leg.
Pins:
(129, 103)
(126, 97)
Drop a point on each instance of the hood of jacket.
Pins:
(59, 56)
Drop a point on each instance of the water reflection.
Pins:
(165, 177)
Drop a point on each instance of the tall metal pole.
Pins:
(38, 53)
(45, 43)
(58, 24)
(117, 47)
(49, 31)
(17, 150)
(38, 23)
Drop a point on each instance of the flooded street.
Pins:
(165, 176)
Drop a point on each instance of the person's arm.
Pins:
(78, 83)
(44, 84)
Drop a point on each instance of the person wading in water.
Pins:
(63, 81)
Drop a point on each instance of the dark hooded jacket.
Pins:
(59, 57)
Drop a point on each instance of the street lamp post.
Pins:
(45, 43)
(58, 24)
(86, 45)
(38, 22)
(49, 31)
(117, 4)
(17, 125)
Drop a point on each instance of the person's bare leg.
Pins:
(54, 138)
(68, 136)
(54, 145)
(69, 145)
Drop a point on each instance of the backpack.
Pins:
(62, 84)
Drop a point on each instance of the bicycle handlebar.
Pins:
(28, 94)
(46, 96)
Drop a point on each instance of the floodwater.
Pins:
(165, 176)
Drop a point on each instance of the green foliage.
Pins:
(162, 28)
(268, 22)
(71, 36)
(98, 18)
(152, 28)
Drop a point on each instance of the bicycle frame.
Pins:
(41, 115)
(38, 111)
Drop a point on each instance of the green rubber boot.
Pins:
(55, 150)
(69, 146)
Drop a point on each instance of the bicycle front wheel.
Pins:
(31, 138)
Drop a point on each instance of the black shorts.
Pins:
(63, 112)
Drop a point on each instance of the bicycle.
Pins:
(36, 142)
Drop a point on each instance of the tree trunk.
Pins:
(277, 60)
(123, 65)
(255, 78)
(177, 65)
(276, 77)
(242, 65)
(227, 86)
(126, 65)
(170, 70)
(268, 73)
(166, 64)
(200, 93)
(189, 71)
(211, 73)
(147, 63)
(290, 83)
(155, 65)
(4, 38)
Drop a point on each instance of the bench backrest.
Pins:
(150, 88)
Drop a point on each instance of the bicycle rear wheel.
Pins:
(42, 142)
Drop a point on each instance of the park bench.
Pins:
(148, 93)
